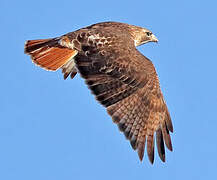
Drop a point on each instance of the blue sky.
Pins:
(52, 129)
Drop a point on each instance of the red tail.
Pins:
(48, 54)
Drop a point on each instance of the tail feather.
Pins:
(32, 45)
(48, 54)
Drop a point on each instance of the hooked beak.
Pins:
(154, 39)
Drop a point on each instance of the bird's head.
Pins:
(142, 35)
(138, 34)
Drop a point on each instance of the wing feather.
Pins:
(126, 83)
(160, 144)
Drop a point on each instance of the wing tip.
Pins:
(151, 159)
(141, 150)
(150, 147)
(170, 147)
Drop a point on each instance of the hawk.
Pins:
(123, 80)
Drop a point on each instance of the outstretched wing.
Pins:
(126, 83)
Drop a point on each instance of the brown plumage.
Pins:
(121, 78)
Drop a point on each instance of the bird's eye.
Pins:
(148, 33)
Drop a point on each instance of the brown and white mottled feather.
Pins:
(120, 77)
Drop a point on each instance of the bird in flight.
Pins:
(123, 80)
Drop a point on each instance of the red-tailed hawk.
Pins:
(121, 78)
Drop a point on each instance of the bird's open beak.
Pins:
(154, 39)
